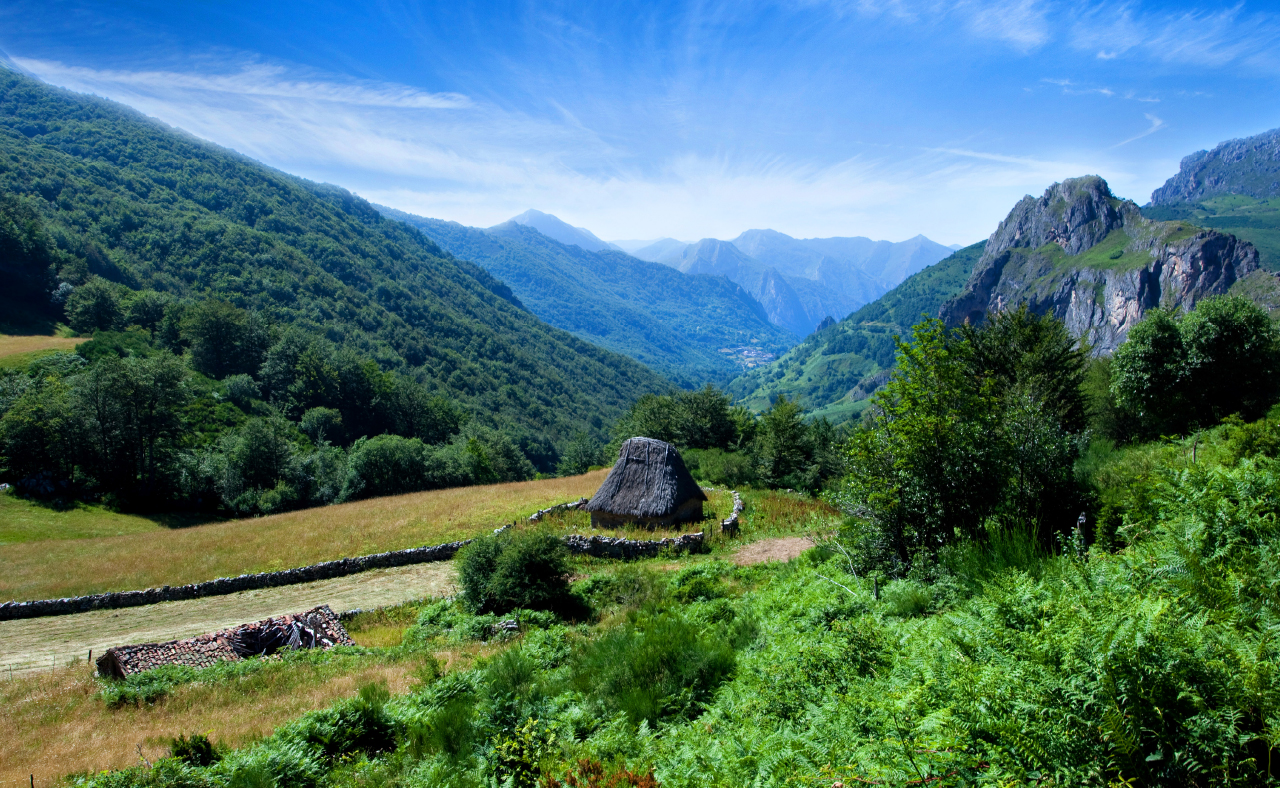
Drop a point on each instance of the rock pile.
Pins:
(316, 628)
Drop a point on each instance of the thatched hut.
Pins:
(648, 486)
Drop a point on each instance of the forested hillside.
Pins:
(676, 323)
(838, 367)
(253, 298)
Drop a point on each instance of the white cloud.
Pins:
(251, 80)
(479, 164)
(1156, 125)
(1215, 38)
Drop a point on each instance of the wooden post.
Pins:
(90, 656)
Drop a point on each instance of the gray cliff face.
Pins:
(1093, 261)
(1249, 166)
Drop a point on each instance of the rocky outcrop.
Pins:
(1249, 166)
(1093, 261)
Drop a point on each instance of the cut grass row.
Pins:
(53, 567)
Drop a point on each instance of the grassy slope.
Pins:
(53, 723)
(673, 322)
(62, 567)
(1256, 221)
(822, 370)
(18, 351)
(139, 203)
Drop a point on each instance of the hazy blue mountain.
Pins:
(663, 250)
(815, 278)
(553, 227)
(692, 328)
(633, 246)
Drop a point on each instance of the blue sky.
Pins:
(883, 118)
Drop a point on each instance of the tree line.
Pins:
(996, 427)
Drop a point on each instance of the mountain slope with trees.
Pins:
(249, 324)
(675, 323)
(836, 369)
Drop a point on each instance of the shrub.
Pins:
(196, 750)
(655, 667)
(385, 465)
(515, 569)
(512, 570)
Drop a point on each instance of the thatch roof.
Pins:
(649, 480)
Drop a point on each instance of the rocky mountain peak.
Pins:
(1075, 214)
(1249, 166)
(1091, 259)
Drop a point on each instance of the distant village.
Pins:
(747, 356)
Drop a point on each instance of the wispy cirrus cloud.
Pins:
(256, 79)
(1022, 24)
(480, 164)
(1213, 36)
(1072, 88)
(1156, 125)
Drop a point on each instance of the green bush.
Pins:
(515, 569)
(195, 750)
(654, 667)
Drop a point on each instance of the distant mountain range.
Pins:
(565, 233)
(693, 329)
(801, 281)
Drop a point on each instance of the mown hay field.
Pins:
(53, 567)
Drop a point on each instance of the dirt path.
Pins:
(40, 643)
(780, 549)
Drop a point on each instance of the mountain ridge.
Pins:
(136, 202)
(1093, 260)
(828, 277)
(680, 324)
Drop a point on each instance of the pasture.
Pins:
(46, 565)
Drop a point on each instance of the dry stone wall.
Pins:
(229, 585)
(599, 547)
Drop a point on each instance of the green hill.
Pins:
(834, 370)
(676, 323)
(1254, 220)
(143, 205)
